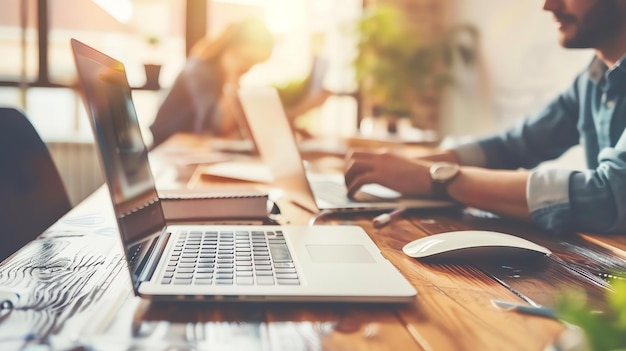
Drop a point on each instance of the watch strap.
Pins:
(440, 190)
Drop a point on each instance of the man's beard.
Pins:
(598, 25)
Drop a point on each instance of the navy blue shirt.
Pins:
(592, 112)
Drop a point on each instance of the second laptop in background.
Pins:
(277, 147)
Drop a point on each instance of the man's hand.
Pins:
(409, 177)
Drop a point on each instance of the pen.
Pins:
(540, 311)
(383, 219)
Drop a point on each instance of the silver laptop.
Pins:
(277, 146)
(220, 263)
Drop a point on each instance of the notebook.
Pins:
(277, 146)
(226, 262)
(214, 205)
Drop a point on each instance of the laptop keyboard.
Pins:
(231, 258)
(330, 191)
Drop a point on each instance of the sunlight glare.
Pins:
(121, 10)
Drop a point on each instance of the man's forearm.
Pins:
(499, 191)
(441, 156)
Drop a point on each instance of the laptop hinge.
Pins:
(154, 257)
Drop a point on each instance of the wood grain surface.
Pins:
(70, 289)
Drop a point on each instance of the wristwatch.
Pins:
(441, 174)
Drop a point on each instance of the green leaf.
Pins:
(394, 58)
(605, 330)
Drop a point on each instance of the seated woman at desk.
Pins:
(203, 97)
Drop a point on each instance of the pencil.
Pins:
(383, 219)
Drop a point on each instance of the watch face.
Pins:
(443, 172)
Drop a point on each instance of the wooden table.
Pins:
(70, 288)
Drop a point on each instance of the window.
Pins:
(153, 31)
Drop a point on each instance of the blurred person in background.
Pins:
(203, 98)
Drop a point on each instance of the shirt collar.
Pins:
(598, 70)
(621, 64)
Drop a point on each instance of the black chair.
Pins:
(32, 194)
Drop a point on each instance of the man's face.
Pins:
(585, 23)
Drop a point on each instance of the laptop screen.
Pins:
(123, 154)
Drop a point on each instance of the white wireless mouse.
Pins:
(472, 245)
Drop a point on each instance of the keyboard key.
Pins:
(280, 253)
(288, 281)
(182, 281)
(263, 280)
(224, 281)
(284, 265)
(285, 270)
(286, 276)
(245, 281)
(204, 281)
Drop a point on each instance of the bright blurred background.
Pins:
(520, 64)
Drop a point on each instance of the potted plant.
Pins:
(401, 72)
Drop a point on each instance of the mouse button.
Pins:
(420, 247)
(460, 255)
(465, 239)
(516, 242)
(490, 238)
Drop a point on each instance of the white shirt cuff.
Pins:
(547, 187)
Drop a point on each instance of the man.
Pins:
(486, 174)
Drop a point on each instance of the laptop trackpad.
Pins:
(339, 254)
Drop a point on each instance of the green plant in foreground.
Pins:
(604, 331)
